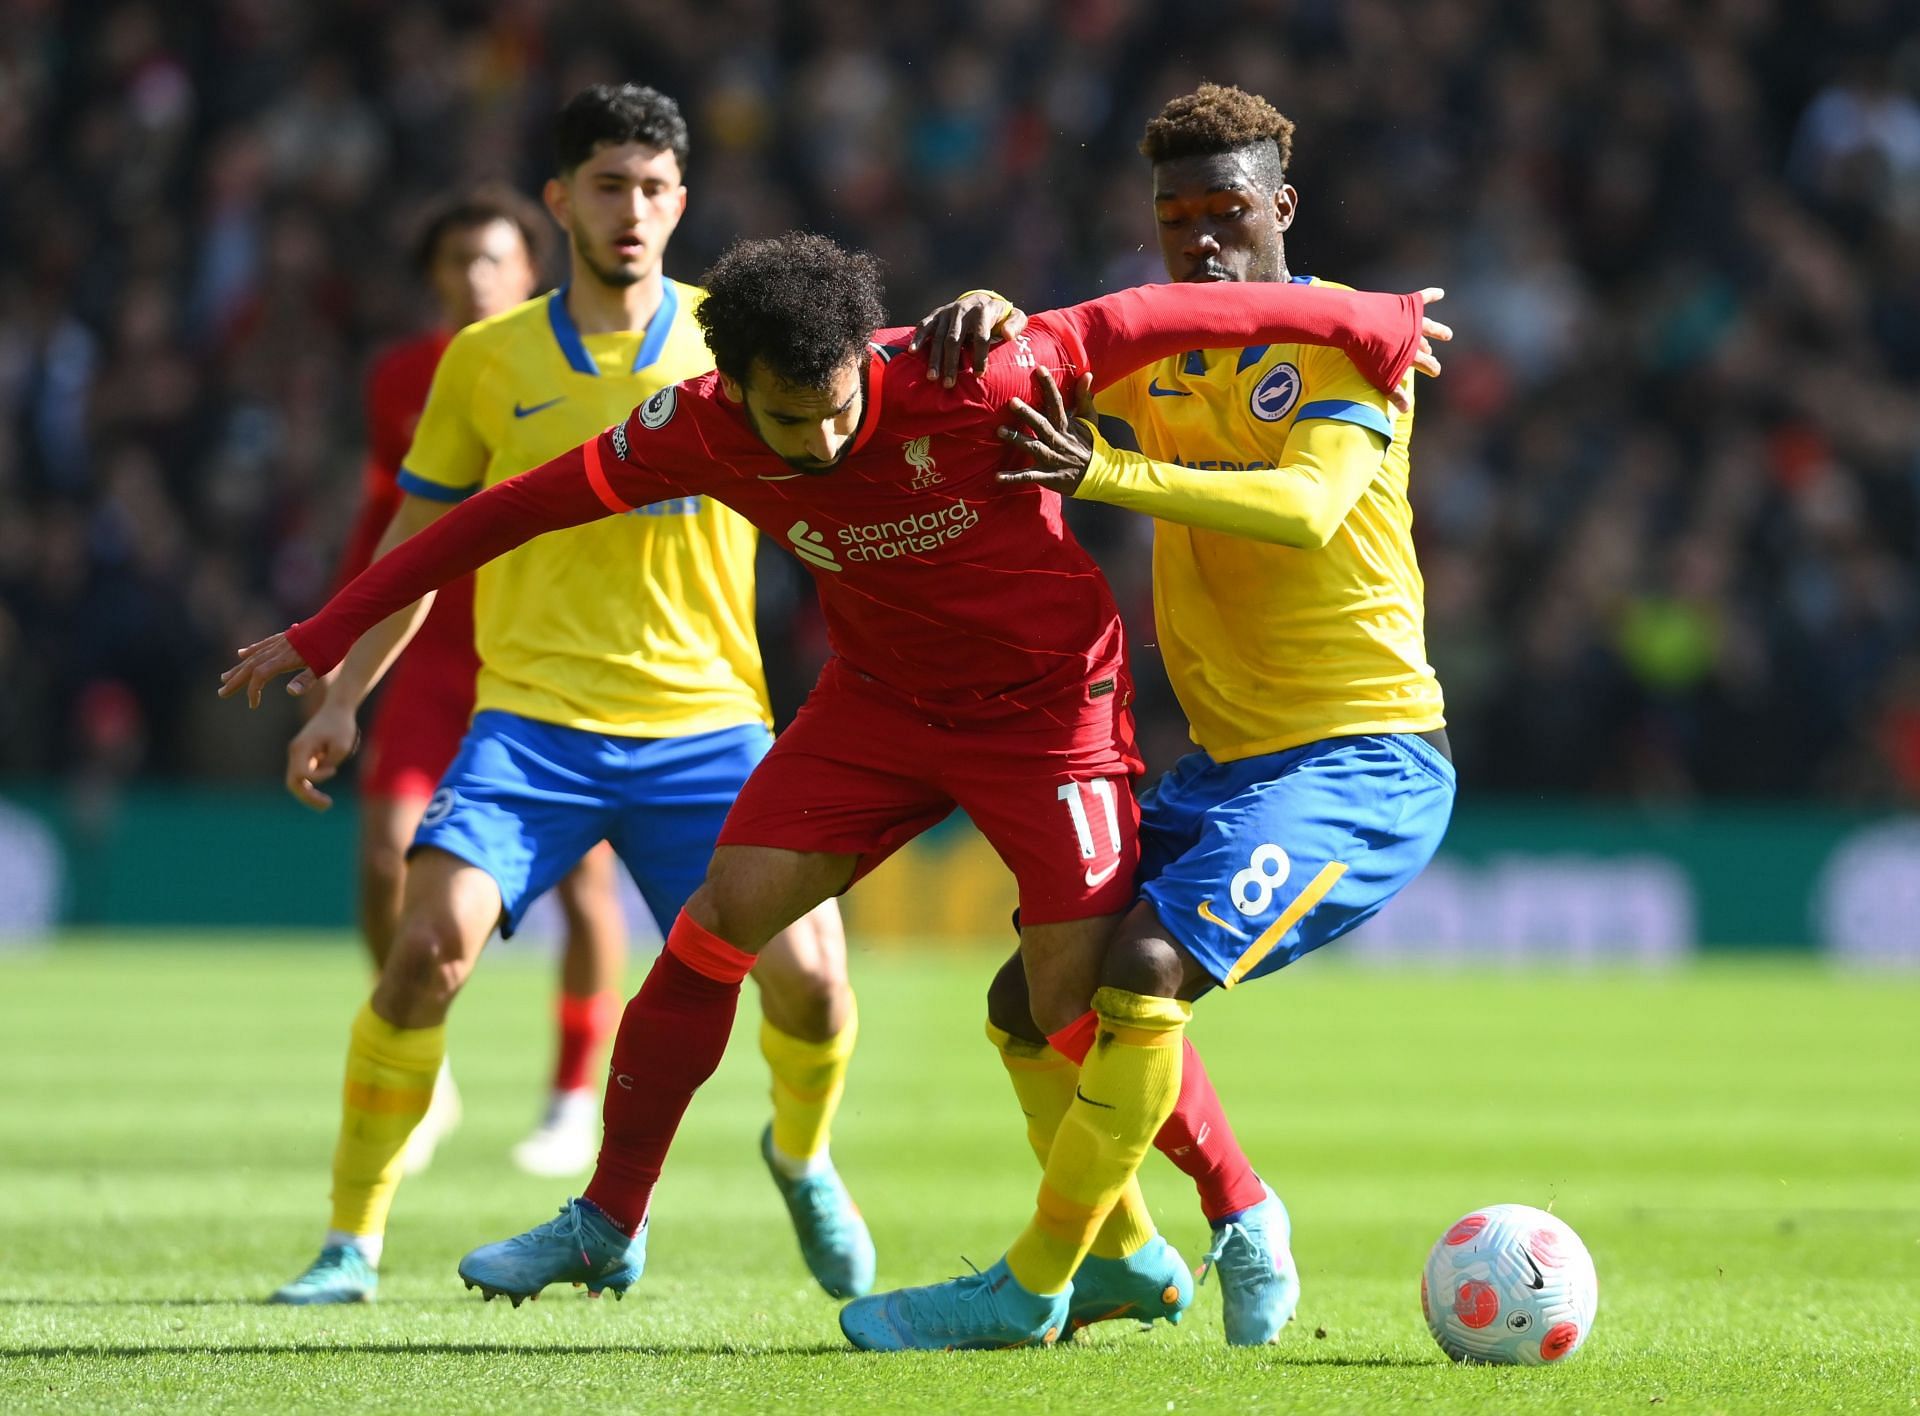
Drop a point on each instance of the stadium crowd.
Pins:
(1667, 494)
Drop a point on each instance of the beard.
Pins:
(615, 277)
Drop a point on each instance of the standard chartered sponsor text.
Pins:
(908, 535)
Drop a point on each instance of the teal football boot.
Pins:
(1149, 1284)
(979, 1311)
(1259, 1282)
(833, 1237)
(340, 1275)
(580, 1247)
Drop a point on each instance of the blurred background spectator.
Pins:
(1667, 495)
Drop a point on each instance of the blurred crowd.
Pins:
(1667, 494)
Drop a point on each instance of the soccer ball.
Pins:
(1509, 1284)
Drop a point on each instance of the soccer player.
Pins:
(477, 255)
(978, 655)
(620, 695)
(1289, 609)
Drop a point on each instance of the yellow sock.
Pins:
(390, 1077)
(1126, 1091)
(1043, 1082)
(808, 1079)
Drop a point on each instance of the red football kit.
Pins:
(423, 712)
(979, 659)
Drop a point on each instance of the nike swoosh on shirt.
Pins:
(1100, 877)
(1153, 387)
(781, 477)
(522, 412)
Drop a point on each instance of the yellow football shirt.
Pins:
(1270, 646)
(639, 625)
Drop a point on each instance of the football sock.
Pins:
(390, 1077)
(1043, 1083)
(1198, 1138)
(1126, 1089)
(671, 1037)
(369, 1245)
(584, 1023)
(808, 1080)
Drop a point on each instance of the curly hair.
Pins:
(618, 113)
(1214, 119)
(799, 304)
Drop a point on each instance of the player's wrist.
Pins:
(1099, 470)
(1004, 305)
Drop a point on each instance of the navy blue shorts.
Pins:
(524, 800)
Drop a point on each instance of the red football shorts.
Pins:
(859, 774)
(417, 728)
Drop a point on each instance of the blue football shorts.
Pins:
(524, 800)
(1253, 863)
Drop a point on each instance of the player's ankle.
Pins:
(798, 1167)
(370, 1246)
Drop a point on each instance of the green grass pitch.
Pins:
(1738, 1144)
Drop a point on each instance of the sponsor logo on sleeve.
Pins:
(620, 442)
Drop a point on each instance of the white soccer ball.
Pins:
(1509, 1284)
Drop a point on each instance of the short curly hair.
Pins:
(799, 304)
(1215, 118)
(618, 113)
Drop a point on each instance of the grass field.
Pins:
(1739, 1146)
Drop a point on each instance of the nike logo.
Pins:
(1103, 1105)
(783, 477)
(523, 412)
(1539, 1280)
(1206, 913)
(1100, 877)
(1153, 387)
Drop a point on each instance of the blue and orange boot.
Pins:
(1149, 1284)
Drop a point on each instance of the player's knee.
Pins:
(809, 1003)
(1053, 1006)
(425, 967)
(1008, 1008)
(751, 894)
(1143, 964)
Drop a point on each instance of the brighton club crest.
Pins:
(1276, 393)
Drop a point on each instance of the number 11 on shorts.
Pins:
(1072, 795)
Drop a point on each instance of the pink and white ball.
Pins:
(1509, 1284)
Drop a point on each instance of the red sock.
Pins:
(671, 1038)
(1197, 1137)
(583, 1025)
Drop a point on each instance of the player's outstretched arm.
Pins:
(551, 497)
(1300, 504)
(1384, 335)
(332, 734)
